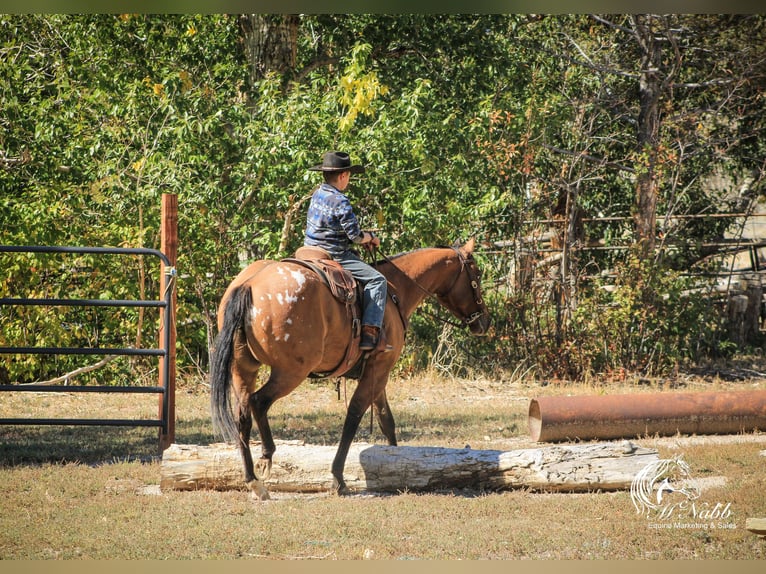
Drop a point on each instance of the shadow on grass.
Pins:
(21, 445)
(31, 444)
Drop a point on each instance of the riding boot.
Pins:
(374, 339)
(370, 336)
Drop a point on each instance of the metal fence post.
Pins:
(169, 246)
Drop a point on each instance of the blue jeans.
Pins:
(374, 283)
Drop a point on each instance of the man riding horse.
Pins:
(332, 225)
(275, 313)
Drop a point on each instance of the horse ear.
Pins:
(467, 249)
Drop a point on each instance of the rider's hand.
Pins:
(369, 241)
(374, 240)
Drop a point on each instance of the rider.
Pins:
(332, 225)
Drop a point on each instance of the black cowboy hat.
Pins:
(337, 161)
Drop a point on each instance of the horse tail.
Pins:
(237, 308)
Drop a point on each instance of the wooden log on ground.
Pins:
(299, 467)
(756, 526)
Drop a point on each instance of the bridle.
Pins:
(467, 264)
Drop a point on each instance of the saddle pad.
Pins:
(309, 253)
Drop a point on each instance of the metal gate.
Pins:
(166, 386)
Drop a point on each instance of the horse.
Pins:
(282, 315)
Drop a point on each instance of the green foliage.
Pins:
(105, 123)
(644, 318)
(470, 125)
(654, 320)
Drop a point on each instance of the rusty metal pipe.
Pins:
(554, 419)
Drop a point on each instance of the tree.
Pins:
(109, 111)
(626, 116)
(108, 121)
(654, 77)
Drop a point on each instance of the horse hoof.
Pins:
(258, 491)
(340, 489)
(263, 467)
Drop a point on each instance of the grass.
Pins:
(87, 492)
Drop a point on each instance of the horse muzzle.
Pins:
(478, 322)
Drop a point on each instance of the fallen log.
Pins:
(756, 526)
(299, 467)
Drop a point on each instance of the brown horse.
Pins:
(280, 314)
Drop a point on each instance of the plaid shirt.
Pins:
(331, 223)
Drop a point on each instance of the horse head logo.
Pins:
(659, 479)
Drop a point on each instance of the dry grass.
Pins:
(81, 492)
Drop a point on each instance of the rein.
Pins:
(473, 275)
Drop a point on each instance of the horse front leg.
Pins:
(385, 418)
(369, 387)
(356, 409)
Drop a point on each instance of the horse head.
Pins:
(463, 297)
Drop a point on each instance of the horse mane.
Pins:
(410, 252)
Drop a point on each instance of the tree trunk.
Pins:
(269, 42)
(306, 468)
(649, 90)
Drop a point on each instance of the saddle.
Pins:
(344, 288)
(342, 284)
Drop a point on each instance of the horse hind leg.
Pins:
(280, 384)
(260, 407)
(244, 425)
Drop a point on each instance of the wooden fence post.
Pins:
(169, 246)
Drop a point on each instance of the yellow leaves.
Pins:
(358, 94)
(191, 30)
(499, 120)
(359, 88)
(186, 83)
(506, 155)
(138, 165)
(156, 88)
(656, 159)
